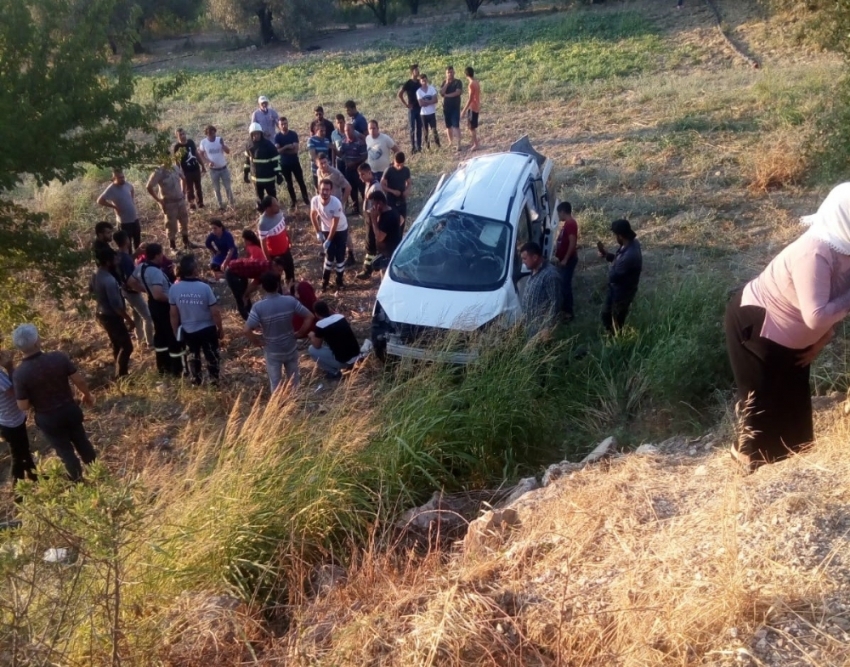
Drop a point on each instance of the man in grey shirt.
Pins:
(196, 315)
(273, 316)
(111, 312)
(121, 197)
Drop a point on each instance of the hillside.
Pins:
(223, 528)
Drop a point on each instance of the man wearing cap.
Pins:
(266, 117)
(262, 163)
(623, 276)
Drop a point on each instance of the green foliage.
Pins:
(74, 608)
(668, 362)
(292, 21)
(57, 80)
(536, 59)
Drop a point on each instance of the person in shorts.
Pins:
(451, 90)
(473, 106)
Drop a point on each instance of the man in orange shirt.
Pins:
(473, 106)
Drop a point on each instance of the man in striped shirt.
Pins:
(273, 317)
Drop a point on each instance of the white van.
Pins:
(458, 268)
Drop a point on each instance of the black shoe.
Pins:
(350, 261)
(366, 275)
(173, 245)
(189, 245)
(200, 206)
(192, 207)
(325, 287)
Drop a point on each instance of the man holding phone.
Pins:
(623, 276)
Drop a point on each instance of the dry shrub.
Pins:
(208, 630)
(779, 160)
(654, 560)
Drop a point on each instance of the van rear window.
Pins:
(454, 251)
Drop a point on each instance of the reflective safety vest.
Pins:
(262, 160)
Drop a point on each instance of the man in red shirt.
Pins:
(567, 257)
(240, 271)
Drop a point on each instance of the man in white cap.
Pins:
(262, 163)
(266, 117)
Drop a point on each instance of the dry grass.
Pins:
(669, 559)
(778, 161)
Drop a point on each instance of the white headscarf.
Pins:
(831, 224)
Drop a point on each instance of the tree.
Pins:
(142, 14)
(287, 20)
(64, 105)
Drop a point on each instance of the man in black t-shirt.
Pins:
(414, 111)
(286, 142)
(395, 183)
(450, 91)
(333, 345)
(187, 156)
(386, 225)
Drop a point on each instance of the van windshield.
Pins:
(454, 251)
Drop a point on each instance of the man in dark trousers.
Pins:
(623, 276)
(195, 314)
(169, 352)
(13, 422)
(186, 154)
(287, 144)
(112, 312)
(262, 163)
(41, 382)
(414, 111)
(566, 256)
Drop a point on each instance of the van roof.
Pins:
(483, 185)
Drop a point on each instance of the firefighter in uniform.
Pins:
(262, 163)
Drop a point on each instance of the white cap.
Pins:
(262, 99)
(254, 127)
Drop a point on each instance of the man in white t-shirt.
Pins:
(331, 225)
(214, 152)
(427, 96)
(380, 149)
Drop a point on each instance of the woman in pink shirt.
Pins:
(776, 327)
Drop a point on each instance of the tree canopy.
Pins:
(65, 103)
(292, 21)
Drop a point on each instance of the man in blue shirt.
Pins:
(221, 244)
(316, 145)
(359, 120)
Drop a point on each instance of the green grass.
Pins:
(535, 59)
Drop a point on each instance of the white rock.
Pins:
(646, 450)
(524, 486)
(490, 529)
(558, 470)
(601, 450)
(701, 471)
